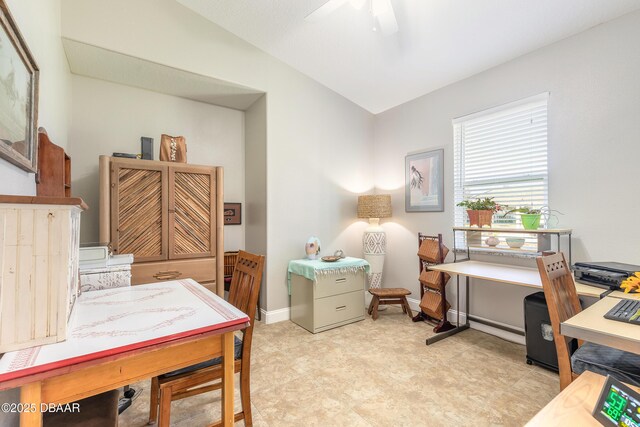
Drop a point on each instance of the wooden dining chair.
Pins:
(207, 376)
(563, 303)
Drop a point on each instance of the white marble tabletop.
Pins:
(112, 321)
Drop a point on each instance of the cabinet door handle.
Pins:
(167, 275)
(342, 280)
(342, 307)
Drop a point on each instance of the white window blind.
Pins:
(502, 153)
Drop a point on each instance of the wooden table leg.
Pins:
(227, 379)
(31, 397)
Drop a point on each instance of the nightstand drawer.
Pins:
(334, 284)
(338, 308)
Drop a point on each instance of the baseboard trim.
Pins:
(452, 316)
(505, 335)
(276, 316)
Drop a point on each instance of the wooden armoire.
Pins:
(168, 215)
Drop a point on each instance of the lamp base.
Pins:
(374, 244)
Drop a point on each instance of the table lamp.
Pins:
(374, 241)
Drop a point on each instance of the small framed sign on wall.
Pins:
(232, 213)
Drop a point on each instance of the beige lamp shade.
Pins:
(374, 206)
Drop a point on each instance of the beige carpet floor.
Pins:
(376, 374)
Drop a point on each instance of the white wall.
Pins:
(594, 146)
(39, 23)
(318, 143)
(255, 207)
(109, 117)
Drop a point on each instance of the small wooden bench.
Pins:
(386, 296)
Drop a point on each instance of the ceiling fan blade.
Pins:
(383, 12)
(324, 10)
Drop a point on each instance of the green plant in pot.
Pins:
(480, 210)
(530, 217)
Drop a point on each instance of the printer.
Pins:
(607, 275)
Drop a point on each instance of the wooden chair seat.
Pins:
(387, 296)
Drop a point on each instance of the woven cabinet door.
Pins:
(139, 219)
(192, 212)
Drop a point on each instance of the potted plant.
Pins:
(480, 210)
(531, 216)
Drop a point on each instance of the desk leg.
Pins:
(467, 315)
(459, 327)
(31, 397)
(227, 379)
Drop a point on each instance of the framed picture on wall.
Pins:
(18, 96)
(232, 213)
(424, 181)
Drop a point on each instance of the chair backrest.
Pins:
(563, 303)
(244, 291)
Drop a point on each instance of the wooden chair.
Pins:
(207, 376)
(563, 303)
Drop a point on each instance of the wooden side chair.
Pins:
(207, 376)
(563, 303)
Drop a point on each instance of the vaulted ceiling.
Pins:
(439, 41)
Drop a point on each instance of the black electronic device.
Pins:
(125, 155)
(608, 275)
(146, 145)
(626, 310)
(618, 405)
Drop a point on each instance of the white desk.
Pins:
(122, 335)
(590, 325)
(511, 275)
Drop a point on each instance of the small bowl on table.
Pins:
(515, 242)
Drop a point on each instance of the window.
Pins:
(502, 153)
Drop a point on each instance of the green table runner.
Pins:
(311, 269)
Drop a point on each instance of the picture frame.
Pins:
(424, 181)
(19, 75)
(232, 213)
